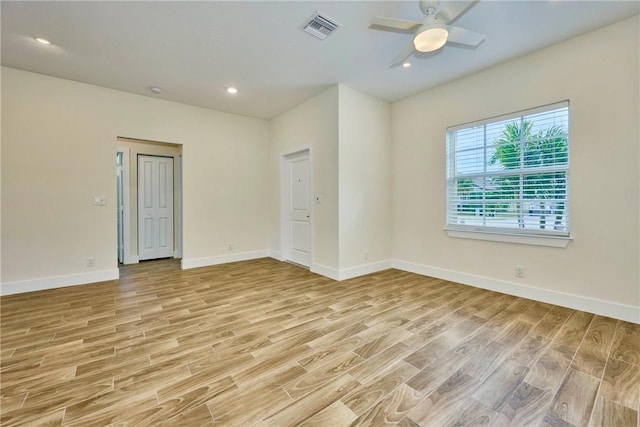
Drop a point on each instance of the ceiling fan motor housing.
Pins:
(430, 7)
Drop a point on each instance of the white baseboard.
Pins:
(351, 272)
(323, 270)
(275, 255)
(22, 286)
(361, 270)
(615, 310)
(131, 259)
(222, 259)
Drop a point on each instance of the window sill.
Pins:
(551, 241)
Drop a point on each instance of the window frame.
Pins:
(530, 236)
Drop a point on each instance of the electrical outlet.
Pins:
(230, 246)
(90, 261)
(366, 255)
(519, 271)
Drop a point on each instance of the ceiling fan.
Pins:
(433, 32)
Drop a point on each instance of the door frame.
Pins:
(177, 189)
(131, 147)
(126, 199)
(285, 195)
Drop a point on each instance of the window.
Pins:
(509, 175)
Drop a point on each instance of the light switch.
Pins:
(99, 200)
(318, 200)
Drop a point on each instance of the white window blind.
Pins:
(510, 174)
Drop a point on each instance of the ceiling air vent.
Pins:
(320, 26)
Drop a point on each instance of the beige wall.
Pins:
(365, 178)
(313, 124)
(59, 140)
(599, 74)
(58, 150)
(349, 134)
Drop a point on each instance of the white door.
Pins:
(155, 207)
(299, 210)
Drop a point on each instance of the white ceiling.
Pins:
(194, 50)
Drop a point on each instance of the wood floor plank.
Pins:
(609, 413)
(271, 366)
(12, 402)
(567, 340)
(496, 390)
(365, 372)
(594, 349)
(104, 408)
(336, 414)
(433, 375)
(621, 383)
(626, 345)
(183, 404)
(529, 350)
(552, 322)
(548, 372)
(478, 414)
(248, 405)
(322, 375)
(391, 410)
(273, 349)
(574, 401)
(326, 355)
(27, 417)
(262, 343)
(367, 395)
(199, 416)
(444, 405)
(526, 406)
(313, 402)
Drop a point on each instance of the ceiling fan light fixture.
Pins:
(431, 36)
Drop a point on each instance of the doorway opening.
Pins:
(149, 199)
(296, 219)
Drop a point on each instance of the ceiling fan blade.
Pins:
(403, 55)
(463, 36)
(451, 10)
(394, 23)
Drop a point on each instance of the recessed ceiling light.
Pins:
(406, 64)
(43, 41)
(232, 90)
(156, 90)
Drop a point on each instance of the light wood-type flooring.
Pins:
(270, 344)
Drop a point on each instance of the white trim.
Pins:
(126, 206)
(284, 197)
(612, 309)
(22, 286)
(177, 253)
(133, 259)
(551, 241)
(275, 254)
(222, 259)
(351, 272)
(361, 270)
(508, 116)
(323, 270)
